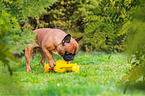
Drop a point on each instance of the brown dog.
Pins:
(52, 41)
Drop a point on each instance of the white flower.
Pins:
(58, 84)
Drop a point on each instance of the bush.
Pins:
(136, 46)
(106, 28)
(64, 15)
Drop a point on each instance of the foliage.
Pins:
(107, 15)
(137, 57)
(136, 46)
(60, 14)
(105, 31)
(13, 13)
(98, 76)
(107, 20)
(65, 15)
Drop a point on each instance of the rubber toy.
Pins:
(47, 68)
(62, 66)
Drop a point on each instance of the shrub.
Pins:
(136, 46)
(105, 31)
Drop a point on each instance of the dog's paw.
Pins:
(52, 64)
(28, 70)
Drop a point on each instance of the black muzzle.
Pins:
(68, 56)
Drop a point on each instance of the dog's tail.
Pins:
(19, 55)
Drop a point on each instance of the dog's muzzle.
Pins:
(68, 56)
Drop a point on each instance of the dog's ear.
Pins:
(66, 39)
(79, 38)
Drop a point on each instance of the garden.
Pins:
(111, 55)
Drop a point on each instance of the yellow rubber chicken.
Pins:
(47, 67)
(62, 66)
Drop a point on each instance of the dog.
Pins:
(52, 41)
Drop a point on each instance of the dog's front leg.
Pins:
(49, 56)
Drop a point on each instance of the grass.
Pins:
(98, 75)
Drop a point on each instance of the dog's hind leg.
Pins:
(28, 52)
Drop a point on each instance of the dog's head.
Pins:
(69, 47)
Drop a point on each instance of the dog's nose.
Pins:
(70, 58)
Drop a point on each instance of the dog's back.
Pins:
(43, 35)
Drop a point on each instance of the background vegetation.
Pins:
(136, 46)
(107, 26)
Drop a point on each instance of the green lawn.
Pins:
(98, 75)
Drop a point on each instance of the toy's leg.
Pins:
(28, 52)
